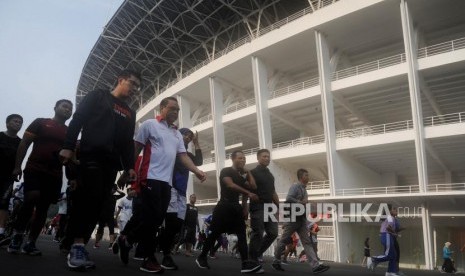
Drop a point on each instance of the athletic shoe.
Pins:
(138, 258)
(124, 249)
(276, 265)
(371, 264)
(30, 249)
(202, 262)
(78, 258)
(115, 247)
(15, 244)
(212, 256)
(320, 269)
(284, 262)
(151, 265)
(250, 267)
(168, 263)
(260, 271)
(4, 240)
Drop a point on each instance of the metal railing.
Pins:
(238, 106)
(378, 190)
(295, 88)
(326, 232)
(375, 130)
(203, 119)
(318, 185)
(318, 139)
(437, 188)
(246, 152)
(446, 119)
(207, 201)
(208, 160)
(441, 48)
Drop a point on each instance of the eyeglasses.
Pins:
(134, 83)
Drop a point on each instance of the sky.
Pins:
(44, 45)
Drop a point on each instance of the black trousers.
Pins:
(173, 226)
(227, 218)
(142, 228)
(96, 178)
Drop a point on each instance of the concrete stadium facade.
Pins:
(367, 95)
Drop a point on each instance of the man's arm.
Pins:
(275, 198)
(198, 157)
(292, 195)
(233, 186)
(127, 151)
(187, 162)
(250, 184)
(82, 114)
(27, 140)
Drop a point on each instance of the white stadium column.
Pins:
(216, 97)
(410, 45)
(184, 120)
(324, 70)
(260, 83)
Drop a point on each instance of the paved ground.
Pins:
(52, 263)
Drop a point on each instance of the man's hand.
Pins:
(195, 140)
(253, 197)
(65, 156)
(17, 173)
(201, 175)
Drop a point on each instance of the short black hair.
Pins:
(63, 101)
(300, 173)
(166, 100)
(260, 151)
(235, 153)
(126, 73)
(13, 116)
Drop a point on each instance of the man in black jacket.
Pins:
(106, 146)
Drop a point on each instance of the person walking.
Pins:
(267, 194)
(9, 142)
(298, 195)
(366, 251)
(106, 124)
(228, 215)
(162, 144)
(43, 175)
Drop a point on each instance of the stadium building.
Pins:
(368, 95)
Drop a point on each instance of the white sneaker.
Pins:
(370, 264)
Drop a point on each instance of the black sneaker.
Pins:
(115, 247)
(30, 249)
(4, 240)
(320, 269)
(151, 265)
(124, 249)
(250, 267)
(15, 244)
(168, 263)
(276, 265)
(202, 262)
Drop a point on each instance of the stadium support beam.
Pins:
(216, 98)
(329, 124)
(260, 84)
(415, 94)
(410, 44)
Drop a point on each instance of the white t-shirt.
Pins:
(125, 205)
(162, 144)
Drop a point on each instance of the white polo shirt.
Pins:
(161, 145)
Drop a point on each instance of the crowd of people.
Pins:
(154, 215)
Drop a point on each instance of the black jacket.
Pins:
(107, 125)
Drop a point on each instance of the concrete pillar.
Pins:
(427, 237)
(184, 120)
(324, 70)
(216, 98)
(410, 45)
(260, 80)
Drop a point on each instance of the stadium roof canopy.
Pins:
(167, 39)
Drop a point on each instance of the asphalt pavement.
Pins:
(53, 263)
